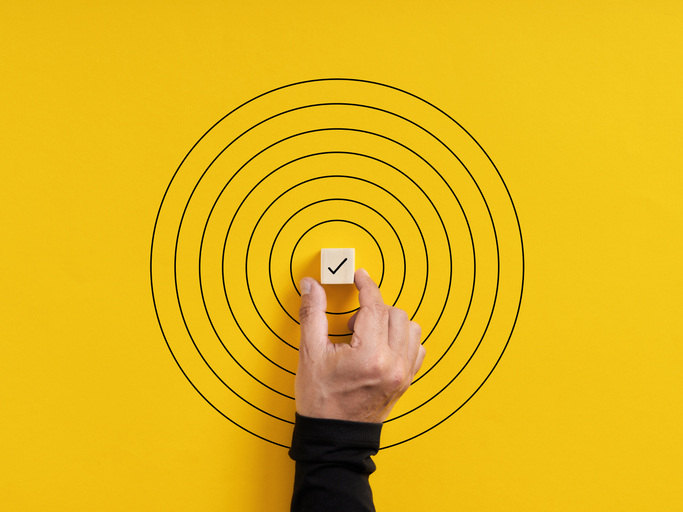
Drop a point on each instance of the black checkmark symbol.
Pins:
(335, 270)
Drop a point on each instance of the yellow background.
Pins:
(579, 104)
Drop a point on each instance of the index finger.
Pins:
(368, 292)
(371, 325)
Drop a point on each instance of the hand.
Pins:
(363, 379)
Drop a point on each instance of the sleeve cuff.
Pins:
(331, 441)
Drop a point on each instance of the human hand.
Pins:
(363, 379)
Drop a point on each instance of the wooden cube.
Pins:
(337, 266)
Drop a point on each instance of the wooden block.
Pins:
(337, 266)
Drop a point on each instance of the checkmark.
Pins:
(338, 267)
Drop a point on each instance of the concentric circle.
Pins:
(334, 163)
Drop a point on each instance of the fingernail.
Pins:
(305, 286)
(364, 271)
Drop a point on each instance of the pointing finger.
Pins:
(371, 324)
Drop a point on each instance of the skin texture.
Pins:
(363, 379)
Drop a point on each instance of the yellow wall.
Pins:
(579, 106)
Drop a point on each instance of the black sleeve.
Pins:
(333, 464)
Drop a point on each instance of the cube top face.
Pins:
(337, 266)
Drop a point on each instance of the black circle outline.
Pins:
(291, 256)
(337, 80)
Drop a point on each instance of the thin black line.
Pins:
(379, 248)
(291, 256)
(292, 277)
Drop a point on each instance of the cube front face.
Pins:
(337, 266)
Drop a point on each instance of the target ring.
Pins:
(291, 259)
(334, 163)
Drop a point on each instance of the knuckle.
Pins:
(379, 311)
(377, 367)
(397, 379)
(416, 329)
(391, 373)
(400, 314)
(388, 375)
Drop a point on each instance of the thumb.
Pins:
(312, 314)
